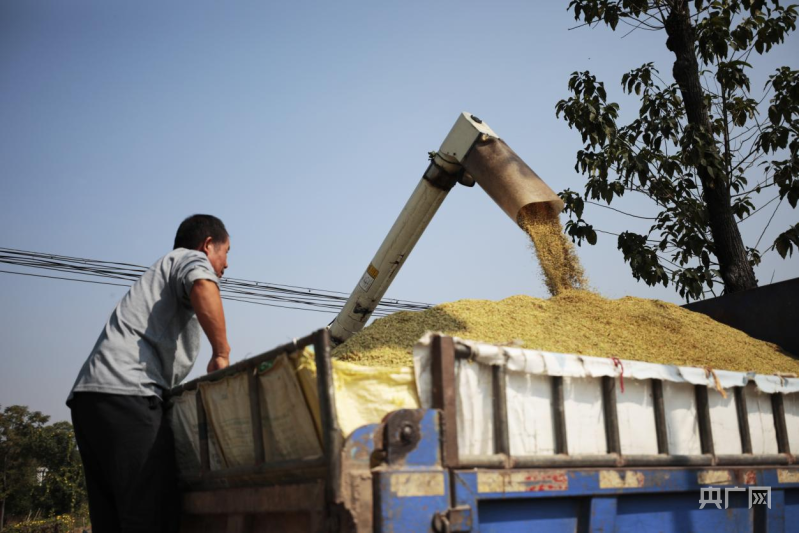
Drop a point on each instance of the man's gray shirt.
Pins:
(152, 338)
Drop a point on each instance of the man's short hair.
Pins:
(194, 230)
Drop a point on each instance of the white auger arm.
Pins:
(471, 153)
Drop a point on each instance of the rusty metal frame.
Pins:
(443, 372)
(743, 420)
(500, 404)
(617, 460)
(659, 407)
(559, 416)
(778, 410)
(331, 431)
(703, 420)
(611, 415)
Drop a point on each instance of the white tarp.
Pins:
(529, 405)
(724, 423)
(530, 412)
(761, 421)
(475, 412)
(636, 418)
(585, 419)
(682, 427)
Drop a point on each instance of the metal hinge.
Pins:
(457, 519)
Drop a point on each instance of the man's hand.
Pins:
(218, 363)
(207, 303)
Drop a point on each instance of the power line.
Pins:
(240, 290)
(67, 279)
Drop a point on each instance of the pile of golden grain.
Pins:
(574, 320)
(578, 322)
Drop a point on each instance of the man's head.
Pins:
(207, 234)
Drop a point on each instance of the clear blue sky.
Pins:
(305, 127)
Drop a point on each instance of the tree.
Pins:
(41, 467)
(18, 430)
(696, 143)
(60, 485)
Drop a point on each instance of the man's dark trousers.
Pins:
(128, 456)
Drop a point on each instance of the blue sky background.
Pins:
(305, 127)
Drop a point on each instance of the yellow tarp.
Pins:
(364, 394)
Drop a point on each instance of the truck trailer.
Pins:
(490, 438)
(667, 454)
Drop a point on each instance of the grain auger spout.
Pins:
(471, 153)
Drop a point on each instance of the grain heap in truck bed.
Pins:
(578, 322)
(575, 320)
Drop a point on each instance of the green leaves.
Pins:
(680, 159)
(786, 240)
(726, 28)
(607, 11)
(587, 110)
(781, 134)
(578, 230)
(643, 260)
(639, 79)
(572, 203)
(731, 75)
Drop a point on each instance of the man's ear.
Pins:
(205, 247)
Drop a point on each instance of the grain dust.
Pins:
(559, 263)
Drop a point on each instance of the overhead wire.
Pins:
(234, 289)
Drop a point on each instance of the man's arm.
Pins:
(207, 303)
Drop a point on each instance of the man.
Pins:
(148, 346)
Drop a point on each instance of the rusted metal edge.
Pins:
(667, 460)
(536, 461)
(616, 460)
(297, 497)
(659, 406)
(559, 416)
(443, 377)
(500, 404)
(273, 467)
(331, 432)
(778, 410)
(748, 459)
(262, 480)
(703, 420)
(743, 419)
(611, 414)
(246, 364)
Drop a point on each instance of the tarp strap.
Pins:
(710, 372)
(617, 363)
